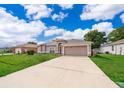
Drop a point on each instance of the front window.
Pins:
(52, 50)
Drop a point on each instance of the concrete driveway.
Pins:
(65, 72)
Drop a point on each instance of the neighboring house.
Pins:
(24, 48)
(114, 48)
(5, 50)
(66, 47)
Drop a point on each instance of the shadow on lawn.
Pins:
(101, 57)
(6, 63)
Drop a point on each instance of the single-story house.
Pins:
(114, 48)
(72, 47)
(24, 48)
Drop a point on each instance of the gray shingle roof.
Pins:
(27, 45)
(118, 42)
(115, 43)
(75, 42)
(71, 42)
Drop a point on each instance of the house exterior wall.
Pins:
(51, 49)
(18, 50)
(117, 49)
(41, 49)
(63, 49)
(89, 50)
(106, 49)
(24, 49)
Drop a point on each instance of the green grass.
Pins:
(13, 63)
(112, 66)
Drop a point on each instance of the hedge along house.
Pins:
(114, 48)
(73, 47)
(24, 48)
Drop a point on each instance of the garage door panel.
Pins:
(76, 50)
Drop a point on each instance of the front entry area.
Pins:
(75, 50)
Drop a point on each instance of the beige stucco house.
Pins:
(114, 48)
(72, 47)
(24, 48)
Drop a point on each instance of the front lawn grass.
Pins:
(13, 63)
(112, 66)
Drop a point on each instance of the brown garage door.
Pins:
(76, 50)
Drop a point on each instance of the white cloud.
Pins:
(40, 42)
(53, 31)
(103, 27)
(63, 33)
(59, 17)
(66, 6)
(37, 11)
(14, 31)
(101, 11)
(122, 17)
(79, 33)
(76, 34)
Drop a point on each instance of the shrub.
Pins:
(107, 52)
(30, 52)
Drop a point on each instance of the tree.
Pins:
(96, 37)
(32, 43)
(116, 34)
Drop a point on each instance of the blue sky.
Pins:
(41, 23)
